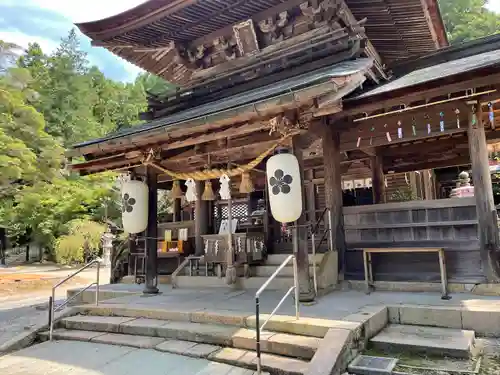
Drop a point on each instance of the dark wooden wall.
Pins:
(448, 223)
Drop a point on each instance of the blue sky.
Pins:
(46, 21)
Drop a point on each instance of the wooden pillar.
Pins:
(333, 189)
(200, 219)
(151, 285)
(428, 184)
(177, 210)
(483, 191)
(301, 244)
(378, 183)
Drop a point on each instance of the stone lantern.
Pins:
(107, 246)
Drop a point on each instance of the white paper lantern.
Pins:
(134, 206)
(284, 187)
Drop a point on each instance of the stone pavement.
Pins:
(335, 305)
(21, 314)
(83, 358)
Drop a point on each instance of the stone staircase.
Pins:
(425, 340)
(258, 275)
(287, 348)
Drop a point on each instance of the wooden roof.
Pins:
(159, 34)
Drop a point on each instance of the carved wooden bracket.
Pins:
(273, 27)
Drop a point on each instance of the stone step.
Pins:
(245, 359)
(200, 282)
(273, 363)
(266, 271)
(428, 340)
(277, 259)
(310, 327)
(224, 335)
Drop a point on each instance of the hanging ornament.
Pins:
(225, 190)
(176, 191)
(400, 130)
(284, 185)
(428, 123)
(246, 186)
(474, 118)
(385, 182)
(414, 126)
(457, 113)
(208, 193)
(406, 179)
(372, 129)
(358, 142)
(387, 134)
(441, 121)
(191, 190)
(491, 115)
(134, 206)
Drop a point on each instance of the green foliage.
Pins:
(27, 152)
(45, 209)
(466, 20)
(48, 103)
(82, 241)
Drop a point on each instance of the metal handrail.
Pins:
(295, 288)
(53, 309)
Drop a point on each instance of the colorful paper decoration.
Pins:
(457, 112)
(441, 121)
(491, 115)
(387, 134)
(474, 119)
(414, 126)
(372, 129)
(400, 130)
(429, 129)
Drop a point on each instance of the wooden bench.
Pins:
(367, 261)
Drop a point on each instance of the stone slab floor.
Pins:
(335, 305)
(83, 358)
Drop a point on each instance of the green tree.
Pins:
(27, 152)
(466, 20)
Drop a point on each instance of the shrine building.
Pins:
(380, 112)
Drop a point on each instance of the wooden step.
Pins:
(428, 340)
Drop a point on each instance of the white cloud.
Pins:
(87, 10)
(494, 5)
(23, 40)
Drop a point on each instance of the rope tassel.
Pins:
(208, 193)
(246, 185)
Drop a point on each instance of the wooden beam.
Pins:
(378, 182)
(151, 284)
(333, 190)
(483, 191)
(301, 245)
(430, 90)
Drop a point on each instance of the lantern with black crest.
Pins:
(284, 186)
(134, 206)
